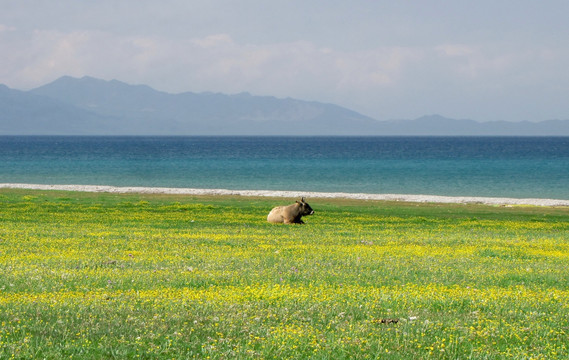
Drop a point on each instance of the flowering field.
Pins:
(92, 276)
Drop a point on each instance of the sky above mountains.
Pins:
(484, 60)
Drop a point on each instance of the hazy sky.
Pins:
(483, 60)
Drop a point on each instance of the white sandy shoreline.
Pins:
(295, 194)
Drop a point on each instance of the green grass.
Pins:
(96, 276)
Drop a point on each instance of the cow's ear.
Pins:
(302, 199)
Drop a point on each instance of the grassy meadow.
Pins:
(102, 276)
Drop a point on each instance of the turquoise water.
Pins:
(457, 166)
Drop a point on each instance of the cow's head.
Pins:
(305, 209)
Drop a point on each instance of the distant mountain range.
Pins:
(89, 106)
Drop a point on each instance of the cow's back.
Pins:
(277, 215)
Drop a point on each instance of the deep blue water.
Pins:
(470, 166)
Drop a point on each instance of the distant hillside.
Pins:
(439, 125)
(143, 110)
(88, 106)
(23, 113)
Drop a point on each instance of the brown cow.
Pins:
(290, 214)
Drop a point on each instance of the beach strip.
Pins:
(294, 194)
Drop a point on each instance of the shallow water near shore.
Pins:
(515, 167)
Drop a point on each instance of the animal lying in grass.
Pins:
(290, 214)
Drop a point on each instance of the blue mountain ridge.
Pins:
(90, 106)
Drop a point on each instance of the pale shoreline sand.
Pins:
(295, 194)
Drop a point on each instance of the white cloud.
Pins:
(213, 63)
(291, 69)
(5, 28)
(453, 50)
(211, 41)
